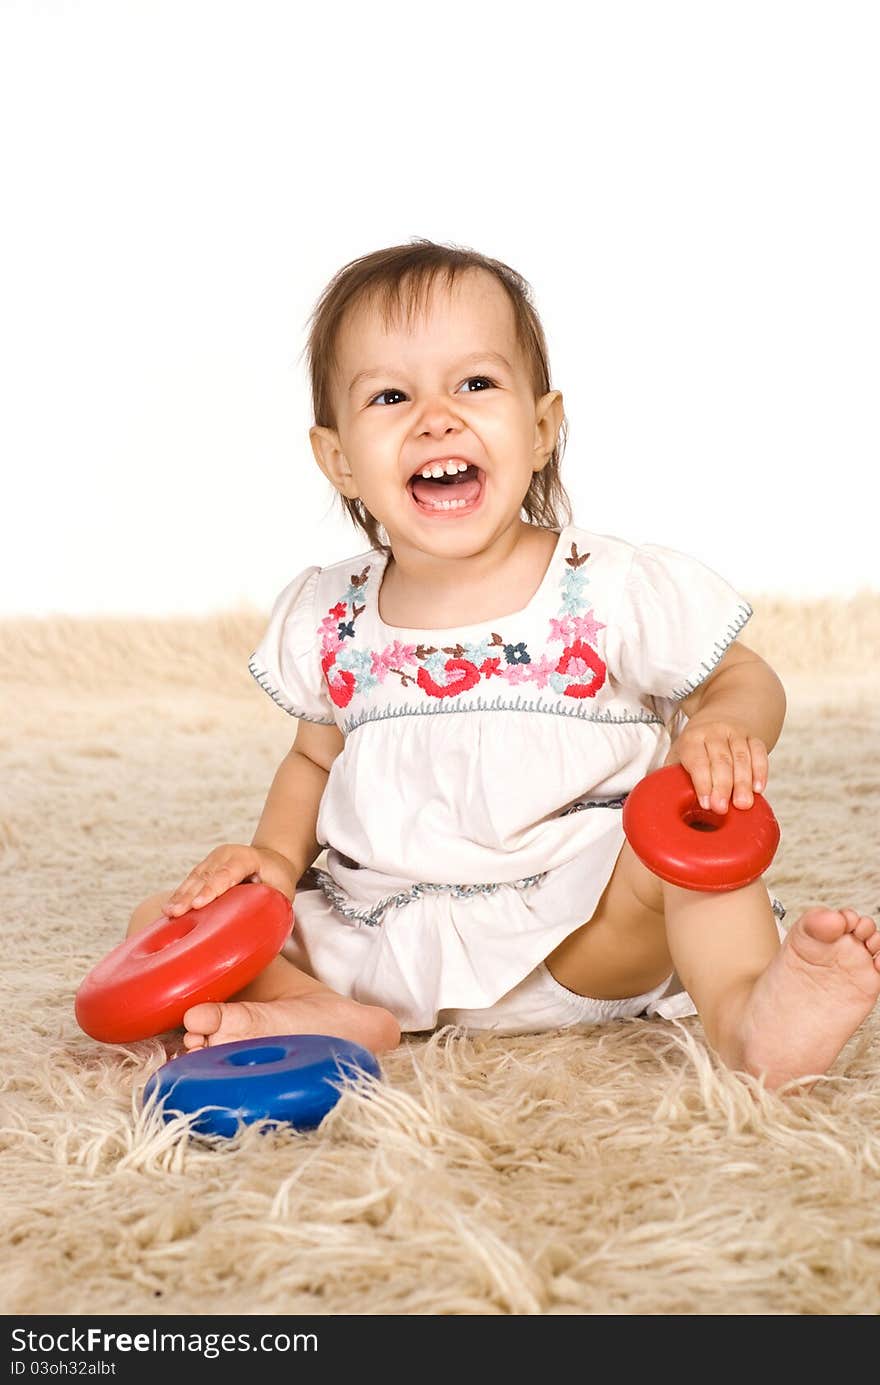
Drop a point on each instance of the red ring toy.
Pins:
(691, 846)
(146, 984)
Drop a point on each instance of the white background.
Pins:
(691, 189)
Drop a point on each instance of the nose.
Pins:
(441, 430)
(438, 416)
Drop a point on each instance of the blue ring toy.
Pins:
(287, 1078)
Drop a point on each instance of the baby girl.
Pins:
(467, 774)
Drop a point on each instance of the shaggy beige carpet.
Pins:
(616, 1170)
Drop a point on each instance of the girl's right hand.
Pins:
(226, 866)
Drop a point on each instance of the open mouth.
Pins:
(459, 494)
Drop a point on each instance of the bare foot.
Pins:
(812, 998)
(318, 1012)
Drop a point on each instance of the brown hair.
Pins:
(402, 276)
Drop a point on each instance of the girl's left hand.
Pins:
(721, 758)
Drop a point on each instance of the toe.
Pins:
(241, 1019)
(827, 925)
(203, 1019)
(865, 928)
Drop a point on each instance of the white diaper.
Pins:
(540, 1002)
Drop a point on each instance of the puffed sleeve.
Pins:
(287, 661)
(675, 619)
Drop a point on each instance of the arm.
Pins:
(288, 823)
(749, 693)
(284, 844)
(736, 720)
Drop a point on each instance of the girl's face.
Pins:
(451, 386)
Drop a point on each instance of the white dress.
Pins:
(473, 816)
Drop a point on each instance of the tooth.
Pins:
(438, 468)
(442, 468)
(448, 504)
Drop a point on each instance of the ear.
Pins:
(331, 460)
(549, 413)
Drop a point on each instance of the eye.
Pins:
(484, 378)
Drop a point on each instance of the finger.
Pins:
(179, 899)
(197, 880)
(760, 764)
(696, 763)
(721, 764)
(219, 880)
(743, 794)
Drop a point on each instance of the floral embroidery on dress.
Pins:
(574, 671)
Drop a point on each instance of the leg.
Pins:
(281, 1000)
(622, 950)
(784, 1011)
(722, 940)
